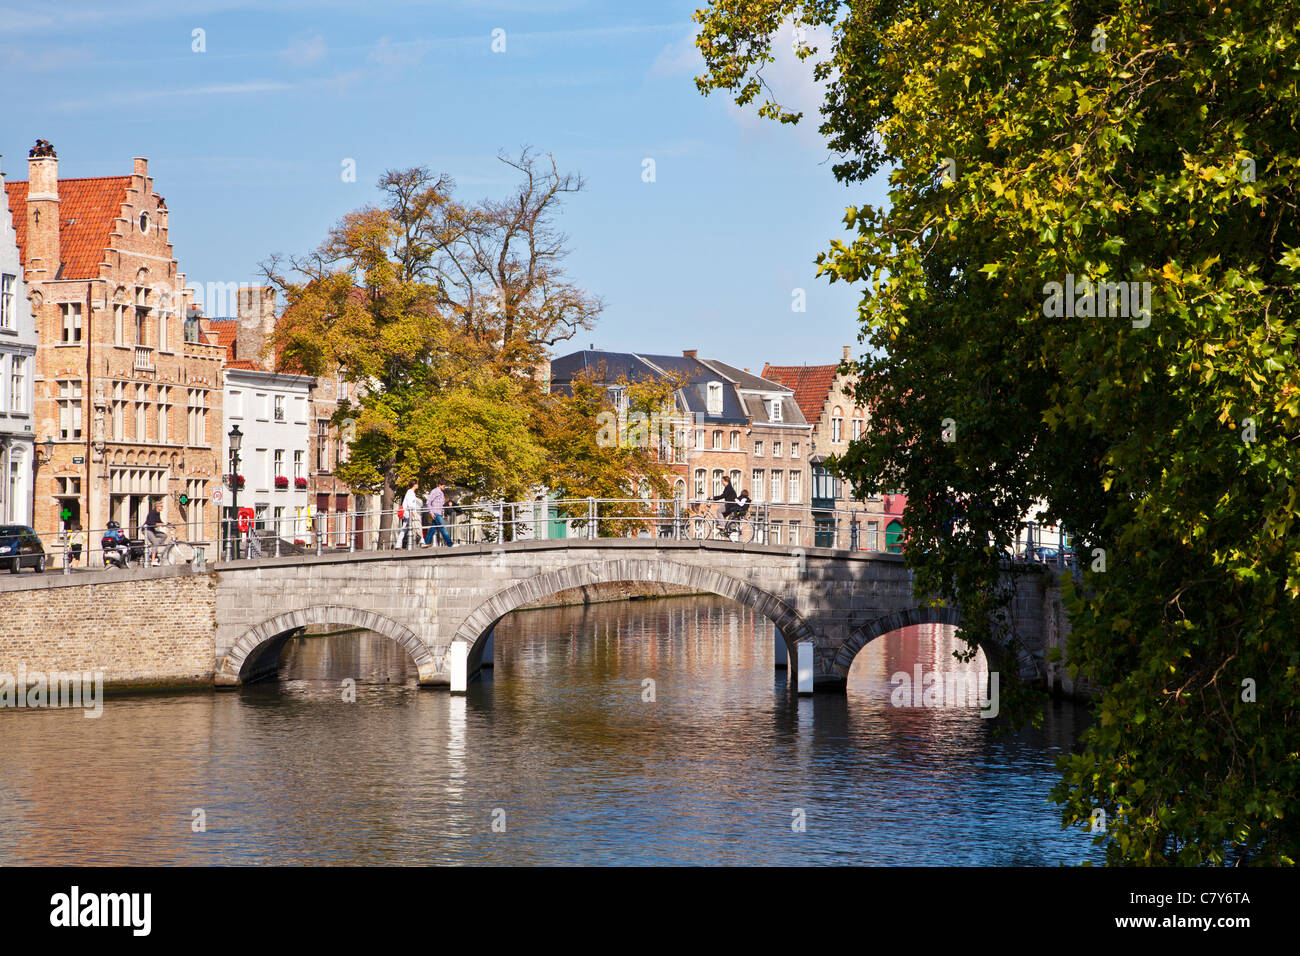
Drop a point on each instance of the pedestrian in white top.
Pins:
(410, 515)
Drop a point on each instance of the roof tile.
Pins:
(88, 209)
(811, 384)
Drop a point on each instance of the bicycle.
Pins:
(736, 527)
(171, 551)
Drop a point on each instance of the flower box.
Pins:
(281, 481)
(300, 484)
(235, 481)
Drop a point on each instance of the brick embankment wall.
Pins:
(143, 628)
(602, 593)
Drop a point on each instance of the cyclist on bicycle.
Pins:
(728, 496)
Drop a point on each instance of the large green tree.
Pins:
(1076, 143)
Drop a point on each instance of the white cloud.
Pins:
(678, 58)
(790, 82)
(148, 96)
(391, 55)
(305, 50)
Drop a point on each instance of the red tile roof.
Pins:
(87, 210)
(811, 384)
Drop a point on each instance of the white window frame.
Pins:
(8, 301)
(70, 334)
(18, 384)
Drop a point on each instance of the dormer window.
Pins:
(774, 409)
(715, 398)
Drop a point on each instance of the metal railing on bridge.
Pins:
(496, 522)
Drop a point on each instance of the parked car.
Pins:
(19, 546)
(1050, 555)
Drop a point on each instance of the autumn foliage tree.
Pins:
(1035, 146)
(444, 313)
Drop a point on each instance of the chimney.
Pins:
(690, 353)
(255, 310)
(42, 212)
(848, 354)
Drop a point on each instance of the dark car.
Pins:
(19, 547)
(1050, 555)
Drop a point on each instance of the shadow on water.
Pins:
(645, 732)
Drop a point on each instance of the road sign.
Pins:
(216, 496)
(81, 460)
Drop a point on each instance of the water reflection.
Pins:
(560, 738)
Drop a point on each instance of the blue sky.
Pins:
(247, 141)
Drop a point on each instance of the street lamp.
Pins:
(236, 438)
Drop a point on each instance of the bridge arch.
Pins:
(866, 633)
(256, 653)
(479, 622)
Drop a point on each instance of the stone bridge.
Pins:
(441, 604)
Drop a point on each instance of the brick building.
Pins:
(824, 395)
(127, 386)
(731, 422)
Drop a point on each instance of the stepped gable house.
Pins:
(128, 385)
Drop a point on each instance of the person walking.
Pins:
(434, 504)
(410, 515)
(154, 535)
(76, 542)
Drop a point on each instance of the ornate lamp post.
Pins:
(236, 438)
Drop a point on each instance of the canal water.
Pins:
(648, 732)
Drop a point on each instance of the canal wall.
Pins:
(149, 627)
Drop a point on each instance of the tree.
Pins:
(1088, 263)
(594, 450)
(444, 312)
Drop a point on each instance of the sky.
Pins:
(250, 138)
